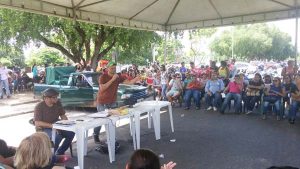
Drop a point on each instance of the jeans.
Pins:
(164, 91)
(188, 94)
(276, 105)
(237, 101)
(102, 107)
(4, 84)
(67, 135)
(293, 110)
(250, 102)
(214, 100)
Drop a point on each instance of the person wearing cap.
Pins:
(108, 90)
(234, 90)
(46, 113)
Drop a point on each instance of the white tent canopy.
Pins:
(163, 15)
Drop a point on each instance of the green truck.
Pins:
(80, 89)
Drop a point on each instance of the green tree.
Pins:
(46, 56)
(174, 51)
(198, 38)
(11, 56)
(255, 41)
(76, 40)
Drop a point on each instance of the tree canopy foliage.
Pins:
(174, 49)
(76, 40)
(11, 56)
(257, 41)
(44, 56)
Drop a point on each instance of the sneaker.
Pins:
(197, 108)
(62, 158)
(278, 118)
(186, 108)
(264, 117)
(215, 109)
(96, 139)
(209, 108)
(291, 121)
(249, 112)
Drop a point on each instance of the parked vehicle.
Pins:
(81, 90)
(244, 67)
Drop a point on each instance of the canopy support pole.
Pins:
(296, 32)
(232, 53)
(165, 51)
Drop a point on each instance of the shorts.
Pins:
(172, 93)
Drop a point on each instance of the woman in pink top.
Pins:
(234, 90)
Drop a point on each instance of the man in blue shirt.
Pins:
(213, 90)
(182, 70)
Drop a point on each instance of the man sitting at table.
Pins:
(108, 90)
(47, 113)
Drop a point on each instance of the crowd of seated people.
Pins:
(219, 86)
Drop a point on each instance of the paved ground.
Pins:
(204, 140)
(18, 104)
(208, 140)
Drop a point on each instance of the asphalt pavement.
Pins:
(202, 140)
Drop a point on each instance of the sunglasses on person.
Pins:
(53, 97)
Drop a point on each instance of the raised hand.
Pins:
(116, 76)
(170, 165)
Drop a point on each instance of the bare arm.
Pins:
(226, 89)
(133, 81)
(267, 91)
(106, 85)
(43, 124)
(7, 161)
(63, 117)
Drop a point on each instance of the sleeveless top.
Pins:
(223, 72)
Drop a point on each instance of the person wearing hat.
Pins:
(46, 113)
(108, 90)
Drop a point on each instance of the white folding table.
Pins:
(81, 131)
(157, 105)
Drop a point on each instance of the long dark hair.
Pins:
(144, 159)
(33, 66)
(260, 77)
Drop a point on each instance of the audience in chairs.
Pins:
(295, 95)
(273, 95)
(192, 89)
(213, 89)
(288, 85)
(253, 92)
(233, 90)
(175, 88)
